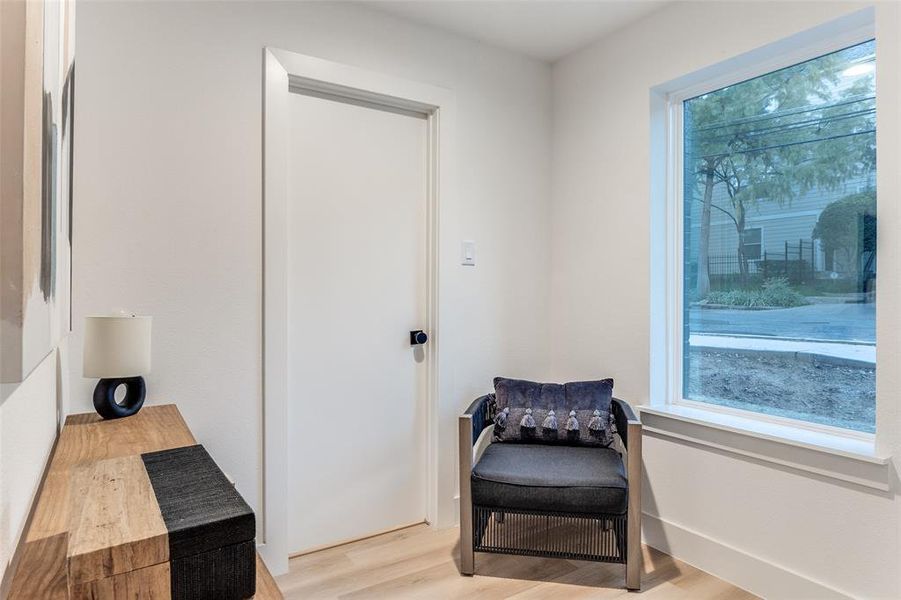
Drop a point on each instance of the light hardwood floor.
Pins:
(420, 562)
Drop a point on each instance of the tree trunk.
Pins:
(743, 266)
(742, 258)
(703, 284)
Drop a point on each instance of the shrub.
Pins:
(775, 293)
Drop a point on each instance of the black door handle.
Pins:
(418, 337)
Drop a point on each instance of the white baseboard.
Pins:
(744, 570)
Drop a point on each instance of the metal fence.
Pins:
(796, 263)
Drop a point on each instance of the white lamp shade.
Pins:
(116, 346)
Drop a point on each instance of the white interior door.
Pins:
(356, 288)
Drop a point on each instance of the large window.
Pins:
(778, 253)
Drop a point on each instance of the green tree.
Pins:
(775, 137)
(848, 227)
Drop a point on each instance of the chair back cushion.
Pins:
(576, 413)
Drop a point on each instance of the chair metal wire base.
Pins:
(600, 537)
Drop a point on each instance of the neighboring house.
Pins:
(769, 227)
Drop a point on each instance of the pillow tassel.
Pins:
(550, 422)
(572, 427)
(572, 423)
(596, 426)
(595, 423)
(500, 421)
(527, 421)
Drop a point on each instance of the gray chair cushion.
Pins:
(567, 479)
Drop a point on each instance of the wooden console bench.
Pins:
(40, 569)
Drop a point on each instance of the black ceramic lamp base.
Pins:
(105, 397)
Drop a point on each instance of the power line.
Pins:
(787, 145)
(786, 127)
(785, 113)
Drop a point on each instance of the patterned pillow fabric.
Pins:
(576, 413)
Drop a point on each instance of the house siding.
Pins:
(789, 223)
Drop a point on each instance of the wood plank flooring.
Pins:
(422, 563)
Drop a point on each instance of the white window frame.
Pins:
(673, 400)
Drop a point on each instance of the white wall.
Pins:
(168, 198)
(778, 532)
(28, 425)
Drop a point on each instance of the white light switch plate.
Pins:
(468, 255)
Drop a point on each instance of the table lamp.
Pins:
(117, 350)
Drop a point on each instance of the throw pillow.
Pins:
(576, 413)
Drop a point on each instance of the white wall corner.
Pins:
(658, 344)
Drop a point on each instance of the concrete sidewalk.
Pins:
(853, 353)
(816, 322)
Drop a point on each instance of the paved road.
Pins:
(834, 322)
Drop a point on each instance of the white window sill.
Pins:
(846, 458)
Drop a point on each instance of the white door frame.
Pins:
(282, 72)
